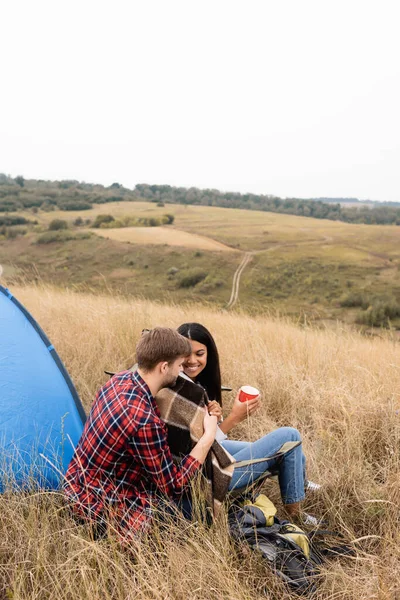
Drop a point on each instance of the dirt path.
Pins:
(236, 279)
(248, 256)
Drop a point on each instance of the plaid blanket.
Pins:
(182, 409)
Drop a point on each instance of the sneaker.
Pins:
(309, 520)
(311, 486)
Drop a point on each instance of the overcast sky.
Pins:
(293, 98)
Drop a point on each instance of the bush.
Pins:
(74, 205)
(352, 300)
(78, 222)
(192, 278)
(47, 207)
(57, 225)
(13, 220)
(9, 205)
(169, 219)
(379, 313)
(11, 233)
(210, 284)
(100, 219)
(31, 202)
(60, 236)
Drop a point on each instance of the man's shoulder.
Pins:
(127, 391)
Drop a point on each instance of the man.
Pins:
(122, 464)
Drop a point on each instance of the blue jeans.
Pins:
(291, 468)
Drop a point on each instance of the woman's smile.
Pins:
(196, 362)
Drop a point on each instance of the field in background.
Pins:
(303, 267)
(166, 236)
(341, 390)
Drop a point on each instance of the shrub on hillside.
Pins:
(30, 202)
(57, 225)
(192, 278)
(380, 313)
(102, 219)
(169, 219)
(210, 284)
(9, 205)
(60, 236)
(10, 233)
(74, 205)
(47, 207)
(13, 220)
(355, 299)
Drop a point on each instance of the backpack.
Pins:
(292, 554)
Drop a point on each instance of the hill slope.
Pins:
(299, 266)
(339, 389)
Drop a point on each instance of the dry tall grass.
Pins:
(339, 389)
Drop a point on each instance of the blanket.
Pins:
(182, 409)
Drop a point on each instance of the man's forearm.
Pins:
(200, 451)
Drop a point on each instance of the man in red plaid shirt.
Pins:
(122, 464)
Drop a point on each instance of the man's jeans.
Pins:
(290, 468)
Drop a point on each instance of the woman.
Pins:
(203, 367)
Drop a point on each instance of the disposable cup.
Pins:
(247, 392)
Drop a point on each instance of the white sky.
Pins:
(288, 97)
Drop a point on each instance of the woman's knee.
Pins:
(291, 434)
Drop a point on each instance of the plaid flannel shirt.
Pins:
(122, 462)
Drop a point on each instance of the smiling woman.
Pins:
(202, 366)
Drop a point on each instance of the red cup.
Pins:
(247, 392)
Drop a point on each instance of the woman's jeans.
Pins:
(290, 468)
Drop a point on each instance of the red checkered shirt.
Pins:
(122, 463)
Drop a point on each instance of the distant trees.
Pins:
(70, 195)
(385, 214)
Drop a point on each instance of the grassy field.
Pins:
(339, 389)
(317, 269)
(166, 236)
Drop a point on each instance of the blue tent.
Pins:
(41, 415)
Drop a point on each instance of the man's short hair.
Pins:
(160, 344)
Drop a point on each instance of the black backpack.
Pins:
(297, 564)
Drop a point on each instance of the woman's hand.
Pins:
(215, 410)
(240, 411)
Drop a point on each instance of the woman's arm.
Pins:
(239, 412)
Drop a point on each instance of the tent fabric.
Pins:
(41, 415)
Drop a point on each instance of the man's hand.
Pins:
(210, 426)
(215, 410)
(200, 451)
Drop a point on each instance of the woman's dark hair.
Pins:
(210, 377)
